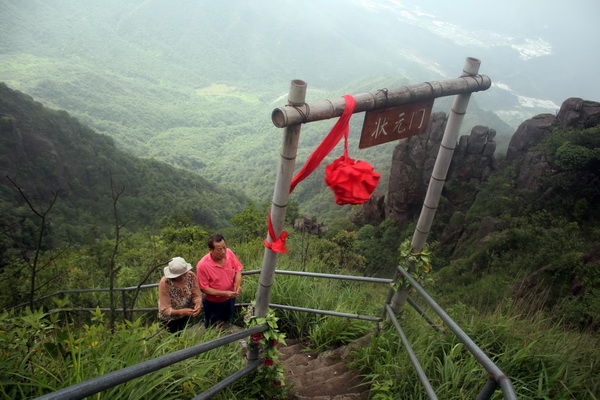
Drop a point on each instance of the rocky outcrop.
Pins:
(574, 111)
(412, 164)
(372, 212)
(532, 168)
(472, 163)
(473, 159)
(414, 158)
(529, 134)
(310, 225)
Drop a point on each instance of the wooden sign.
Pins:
(382, 126)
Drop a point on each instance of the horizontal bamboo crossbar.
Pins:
(325, 109)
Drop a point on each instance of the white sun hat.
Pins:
(177, 267)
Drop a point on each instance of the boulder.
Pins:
(529, 134)
(575, 110)
(310, 225)
(532, 168)
(372, 212)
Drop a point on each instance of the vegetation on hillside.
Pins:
(510, 290)
(540, 245)
(79, 210)
(520, 273)
(178, 92)
(64, 186)
(553, 237)
(541, 357)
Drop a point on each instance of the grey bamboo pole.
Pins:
(440, 170)
(293, 114)
(285, 174)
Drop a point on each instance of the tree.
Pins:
(113, 269)
(379, 246)
(34, 263)
(251, 222)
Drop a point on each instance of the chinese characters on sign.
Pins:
(382, 126)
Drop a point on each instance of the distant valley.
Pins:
(194, 85)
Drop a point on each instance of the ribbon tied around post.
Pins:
(278, 243)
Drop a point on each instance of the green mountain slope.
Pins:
(45, 152)
(194, 84)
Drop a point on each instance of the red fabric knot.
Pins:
(278, 243)
(352, 181)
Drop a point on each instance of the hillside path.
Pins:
(324, 376)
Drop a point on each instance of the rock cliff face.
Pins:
(573, 112)
(413, 161)
(472, 163)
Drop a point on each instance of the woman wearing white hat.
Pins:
(178, 295)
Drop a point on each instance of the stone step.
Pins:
(290, 351)
(346, 396)
(331, 386)
(321, 376)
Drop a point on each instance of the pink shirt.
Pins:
(212, 275)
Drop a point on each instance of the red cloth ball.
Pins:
(351, 181)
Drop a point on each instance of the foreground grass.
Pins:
(41, 353)
(542, 360)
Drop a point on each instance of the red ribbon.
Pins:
(278, 244)
(333, 138)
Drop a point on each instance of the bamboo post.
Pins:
(438, 176)
(281, 193)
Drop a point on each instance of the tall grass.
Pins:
(331, 295)
(41, 353)
(543, 360)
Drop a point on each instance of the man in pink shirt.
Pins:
(220, 279)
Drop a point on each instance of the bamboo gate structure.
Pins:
(297, 112)
(290, 118)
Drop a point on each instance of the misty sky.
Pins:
(540, 51)
(537, 28)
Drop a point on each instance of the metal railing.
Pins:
(497, 377)
(111, 379)
(99, 290)
(250, 272)
(95, 385)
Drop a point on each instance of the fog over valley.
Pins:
(134, 131)
(194, 83)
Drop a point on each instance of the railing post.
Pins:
(438, 176)
(488, 390)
